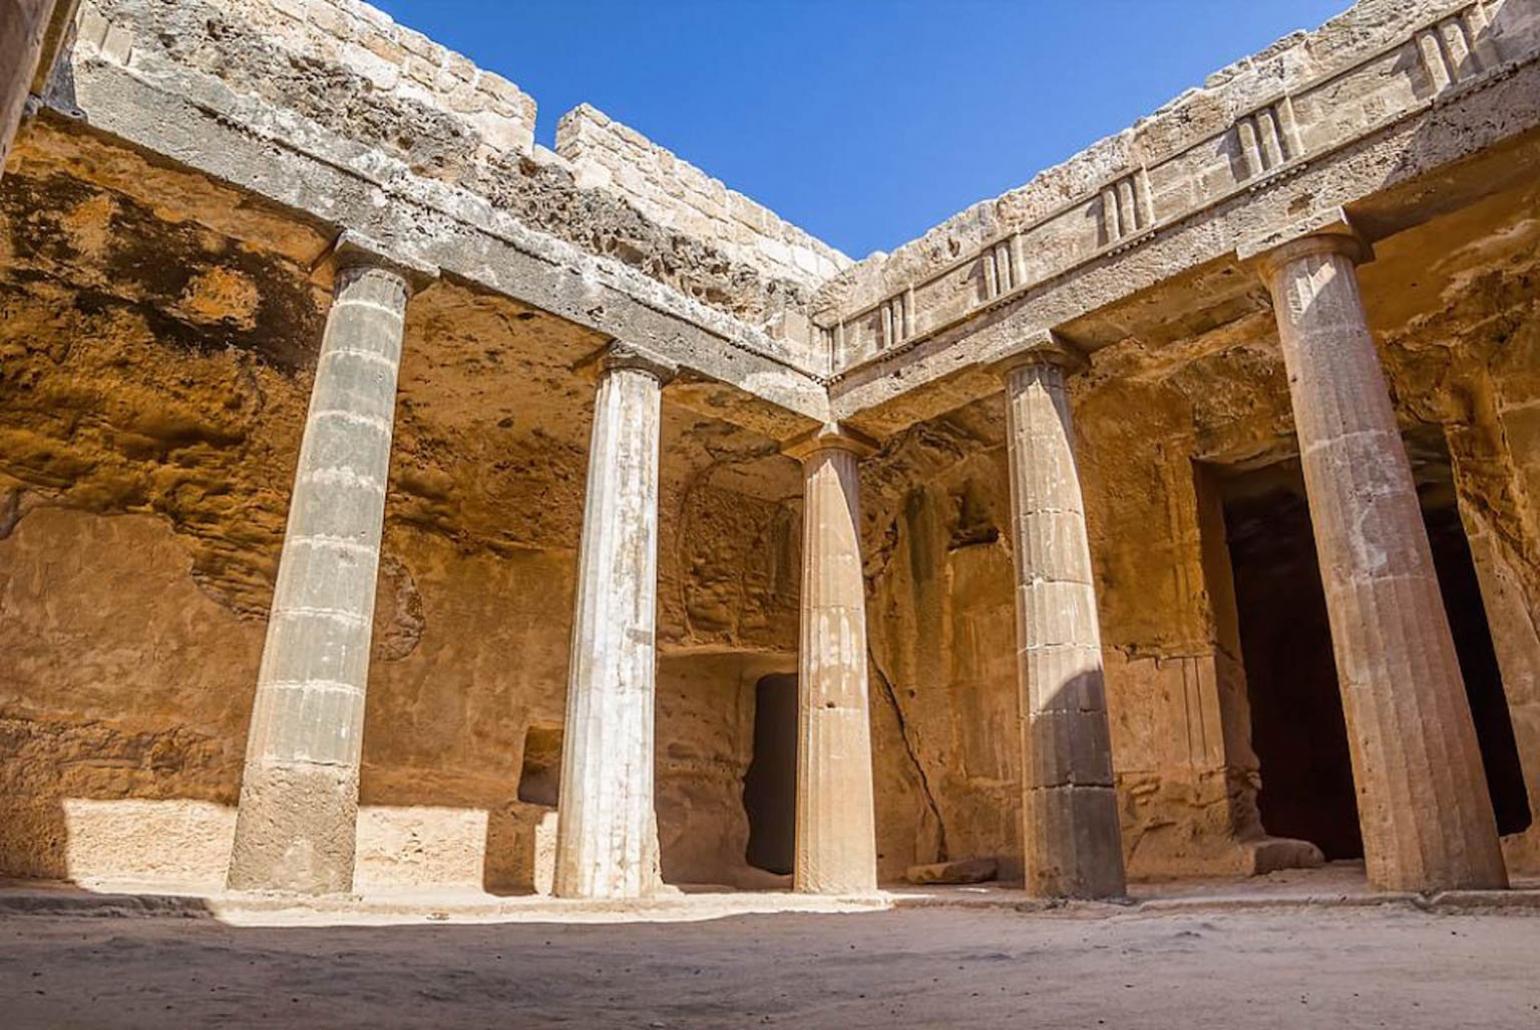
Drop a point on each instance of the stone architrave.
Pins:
(836, 839)
(1423, 805)
(1072, 843)
(296, 826)
(606, 831)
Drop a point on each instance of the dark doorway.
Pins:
(540, 777)
(770, 785)
(1297, 727)
(1478, 666)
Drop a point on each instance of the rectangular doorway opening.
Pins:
(770, 785)
(1461, 591)
(1297, 726)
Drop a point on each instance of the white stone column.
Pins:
(1422, 793)
(606, 831)
(1072, 844)
(836, 835)
(295, 829)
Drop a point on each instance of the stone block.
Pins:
(966, 870)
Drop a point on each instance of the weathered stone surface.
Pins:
(676, 194)
(158, 344)
(607, 833)
(1422, 795)
(835, 833)
(1069, 807)
(299, 792)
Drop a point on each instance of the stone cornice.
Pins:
(1127, 211)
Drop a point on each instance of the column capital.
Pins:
(1325, 232)
(1045, 347)
(830, 436)
(616, 355)
(354, 249)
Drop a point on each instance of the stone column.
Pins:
(31, 32)
(606, 830)
(295, 828)
(1422, 794)
(1071, 840)
(836, 835)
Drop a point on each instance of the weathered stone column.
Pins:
(1071, 840)
(31, 32)
(295, 828)
(606, 830)
(836, 835)
(1422, 794)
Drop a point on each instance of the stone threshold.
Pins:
(1518, 901)
(22, 898)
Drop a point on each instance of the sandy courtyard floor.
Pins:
(1369, 967)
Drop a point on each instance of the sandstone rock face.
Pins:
(162, 307)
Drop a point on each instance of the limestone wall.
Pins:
(676, 194)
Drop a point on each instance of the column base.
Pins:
(1074, 846)
(296, 829)
(621, 881)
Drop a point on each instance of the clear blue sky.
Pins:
(864, 121)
